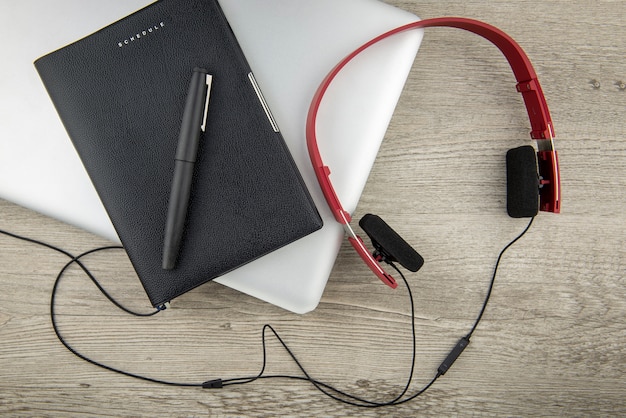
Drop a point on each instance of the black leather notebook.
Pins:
(120, 93)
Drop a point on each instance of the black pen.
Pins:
(193, 124)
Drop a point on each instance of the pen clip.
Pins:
(208, 80)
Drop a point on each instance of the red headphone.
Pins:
(541, 180)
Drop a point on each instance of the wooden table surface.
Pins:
(553, 338)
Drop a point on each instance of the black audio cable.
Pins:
(328, 390)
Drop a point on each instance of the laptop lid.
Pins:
(290, 45)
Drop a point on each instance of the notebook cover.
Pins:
(120, 94)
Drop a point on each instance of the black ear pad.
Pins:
(389, 243)
(522, 182)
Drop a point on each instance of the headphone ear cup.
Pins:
(522, 182)
(389, 243)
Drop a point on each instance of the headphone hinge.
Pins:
(529, 85)
(537, 109)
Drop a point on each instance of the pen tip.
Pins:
(168, 263)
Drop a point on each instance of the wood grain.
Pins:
(553, 338)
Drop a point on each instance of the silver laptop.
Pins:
(290, 45)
